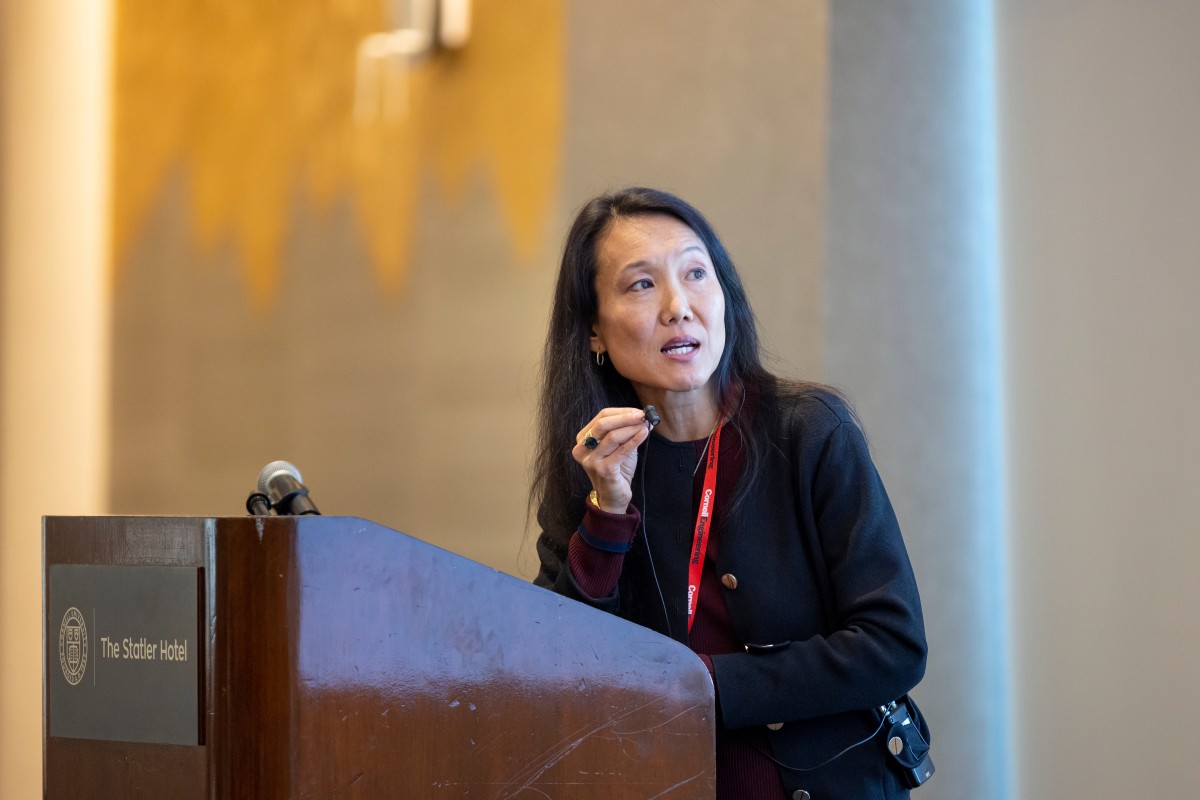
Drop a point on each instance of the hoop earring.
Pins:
(599, 359)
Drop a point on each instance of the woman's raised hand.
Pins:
(606, 448)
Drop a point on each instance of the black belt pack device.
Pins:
(907, 743)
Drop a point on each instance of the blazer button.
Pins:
(774, 725)
(800, 794)
(729, 580)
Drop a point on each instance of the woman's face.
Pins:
(661, 309)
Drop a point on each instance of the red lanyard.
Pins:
(708, 502)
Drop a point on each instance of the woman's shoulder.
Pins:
(811, 417)
(807, 405)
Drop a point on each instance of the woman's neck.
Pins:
(685, 421)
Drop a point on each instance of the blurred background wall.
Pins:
(1099, 110)
(266, 307)
(977, 219)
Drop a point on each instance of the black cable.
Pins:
(826, 762)
(645, 461)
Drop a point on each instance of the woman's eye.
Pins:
(697, 272)
(644, 283)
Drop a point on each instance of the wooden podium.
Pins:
(329, 657)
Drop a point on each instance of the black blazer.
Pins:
(822, 573)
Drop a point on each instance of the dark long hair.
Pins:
(574, 387)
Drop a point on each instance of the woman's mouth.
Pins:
(680, 347)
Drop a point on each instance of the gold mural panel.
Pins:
(253, 101)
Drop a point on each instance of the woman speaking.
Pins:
(742, 515)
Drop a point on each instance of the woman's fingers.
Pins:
(607, 451)
(602, 443)
(608, 421)
(632, 442)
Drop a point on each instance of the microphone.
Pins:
(283, 486)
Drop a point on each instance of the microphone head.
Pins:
(275, 468)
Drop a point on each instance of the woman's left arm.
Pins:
(875, 648)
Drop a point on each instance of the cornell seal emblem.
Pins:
(73, 646)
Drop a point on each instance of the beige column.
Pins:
(54, 325)
(912, 335)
